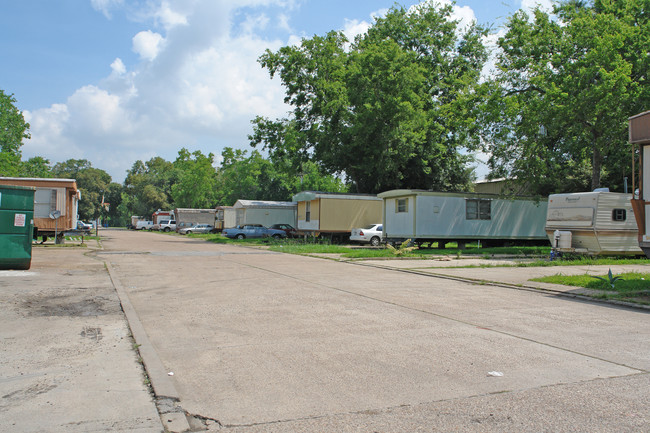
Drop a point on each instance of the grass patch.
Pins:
(632, 287)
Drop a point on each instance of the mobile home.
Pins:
(266, 213)
(226, 218)
(56, 204)
(595, 223)
(186, 217)
(335, 214)
(428, 216)
(639, 129)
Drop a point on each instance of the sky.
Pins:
(116, 81)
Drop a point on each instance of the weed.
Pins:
(611, 280)
(403, 249)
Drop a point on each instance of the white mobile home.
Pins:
(266, 213)
(595, 223)
(427, 216)
(639, 129)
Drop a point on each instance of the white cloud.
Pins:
(197, 86)
(118, 67)
(169, 18)
(105, 6)
(147, 44)
(529, 5)
(353, 28)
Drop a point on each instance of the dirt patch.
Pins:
(73, 305)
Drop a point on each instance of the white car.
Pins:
(370, 234)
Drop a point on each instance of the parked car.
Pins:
(144, 225)
(167, 225)
(370, 234)
(197, 228)
(84, 226)
(253, 231)
(288, 229)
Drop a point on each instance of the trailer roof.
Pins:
(411, 192)
(313, 195)
(265, 204)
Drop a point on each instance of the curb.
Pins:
(162, 384)
(630, 305)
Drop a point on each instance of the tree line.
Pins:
(407, 105)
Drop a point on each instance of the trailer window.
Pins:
(308, 211)
(401, 205)
(477, 209)
(44, 202)
(619, 215)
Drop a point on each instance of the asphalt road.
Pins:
(261, 341)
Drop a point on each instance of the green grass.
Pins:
(633, 287)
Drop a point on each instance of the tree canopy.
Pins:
(391, 109)
(567, 81)
(13, 129)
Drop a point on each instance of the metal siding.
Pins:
(398, 225)
(607, 202)
(314, 223)
(342, 215)
(268, 217)
(510, 219)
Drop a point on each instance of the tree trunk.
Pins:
(596, 165)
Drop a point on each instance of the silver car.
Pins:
(197, 228)
(370, 234)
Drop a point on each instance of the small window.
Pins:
(308, 211)
(401, 205)
(619, 215)
(478, 209)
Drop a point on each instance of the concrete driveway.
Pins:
(262, 341)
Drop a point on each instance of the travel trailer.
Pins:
(594, 223)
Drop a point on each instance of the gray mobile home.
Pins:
(265, 213)
(187, 217)
(428, 216)
(595, 223)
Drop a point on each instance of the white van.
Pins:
(144, 225)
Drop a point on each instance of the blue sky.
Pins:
(114, 81)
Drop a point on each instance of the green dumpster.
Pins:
(16, 226)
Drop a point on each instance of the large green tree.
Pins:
(253, 177)
(390, 110)
(147, 187)
(565, 86)
(196, 177)
(13, 129)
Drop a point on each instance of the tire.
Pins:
(240, 236)
(375, 241)
(276, 236)
(167, 229)
(189, 232)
